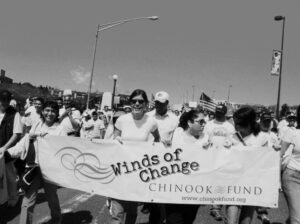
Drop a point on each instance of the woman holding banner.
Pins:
(190, 131)
(134, 126)
(247, 134)
(291, 171)
(26, 149)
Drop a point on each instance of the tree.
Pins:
(284, 109)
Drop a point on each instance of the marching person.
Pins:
(247, 135)
(11, 129)
(33, 113)
(96, 128)
(218, 130)
(167, 123)
(134, 126)
(291, 172)
(26, 150)
(69, 117)
(189, 131)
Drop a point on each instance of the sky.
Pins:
(208, 44)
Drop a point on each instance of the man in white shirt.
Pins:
(96, 127)
(33, 113)
(70, 117)
(218, 130)
(167, 121)
(11, 129)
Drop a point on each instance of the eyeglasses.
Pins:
(139, 101)
(201, 122)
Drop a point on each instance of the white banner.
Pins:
(152, 173)
(276, 58)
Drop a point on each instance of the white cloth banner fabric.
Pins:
(149, 172)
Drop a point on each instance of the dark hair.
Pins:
(5, 96)
(52, 105)
(245, 117)
(94, 113)
(188, 116)
(39, 99)
(59, 98)
(139, 92)
(298, 117)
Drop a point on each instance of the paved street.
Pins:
(82, 208)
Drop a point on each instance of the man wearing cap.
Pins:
(167, 122)
(70, 117)
(219, 130)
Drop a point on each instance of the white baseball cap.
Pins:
(161, 96)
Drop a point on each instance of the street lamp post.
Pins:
(106, 27)
(115, 78)
(228, 96)
(280, 18)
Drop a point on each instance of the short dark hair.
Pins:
(298, 117)
(94, 113)
(59, 98)
(5, 96)
(188, 116)
(139, 92)
(246, 116)
(52, 105)
(39, 99)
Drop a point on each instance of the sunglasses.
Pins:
(201, 122)
(139, 101)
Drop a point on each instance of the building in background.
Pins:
(4, 79)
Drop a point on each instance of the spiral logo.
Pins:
(220, 190)
(86, 166)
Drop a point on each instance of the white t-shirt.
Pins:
(219, 132)
(33, 116)
(166, 124)
(18, 125)
(97, 126)
(295, 158)
(268, 139)
(251, 140)
(180, 138)
(136, 130)
(282, 125)
(41, 128)
(66, 123)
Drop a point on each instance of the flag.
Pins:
(207, 103)
(276, 58)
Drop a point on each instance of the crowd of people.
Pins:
(143, 121)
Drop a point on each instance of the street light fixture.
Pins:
(115, 78)
(106, 27)
(280, 18)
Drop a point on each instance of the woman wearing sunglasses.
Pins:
(134, 126)
(190, 131)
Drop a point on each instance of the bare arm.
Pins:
(156, 135)
(284, 147)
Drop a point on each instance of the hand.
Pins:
(276, 146)
(206, 145)
(2, 150)
(32, 136)
(66, 113)
(119, 139)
